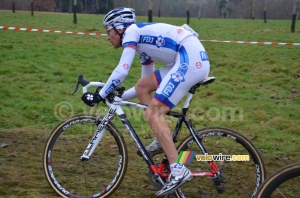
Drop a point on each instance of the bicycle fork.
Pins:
(97, 136)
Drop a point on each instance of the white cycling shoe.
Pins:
(175, 181)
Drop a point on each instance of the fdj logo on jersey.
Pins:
(175, 80)
(113, 85)
(160, 41)
(203, 56)
(147, 39)
(152, 40)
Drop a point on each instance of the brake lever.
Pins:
(120, 91)
(76, 88)
(81, 81)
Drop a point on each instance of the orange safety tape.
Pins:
(254, 42)
(51, 31)
(99, 34)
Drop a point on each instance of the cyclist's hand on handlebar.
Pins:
(91, 99)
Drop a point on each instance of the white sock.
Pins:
(176, 168)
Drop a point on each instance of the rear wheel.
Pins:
(99, 176)
(239, 178)
(283, 183)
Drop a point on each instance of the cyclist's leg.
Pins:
(155, 116)
(148, 84)
(144, 87)
(191, 66)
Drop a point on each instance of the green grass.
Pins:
(260, 83)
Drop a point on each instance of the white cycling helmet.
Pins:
(119, 18)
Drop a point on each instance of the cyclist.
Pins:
(186, 64)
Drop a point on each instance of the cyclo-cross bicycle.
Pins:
(86, 155)
(282, 183)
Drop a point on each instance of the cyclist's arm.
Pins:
(120, 72)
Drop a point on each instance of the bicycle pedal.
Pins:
(153, 182)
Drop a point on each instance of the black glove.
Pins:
(91, 99)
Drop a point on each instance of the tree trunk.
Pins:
(86, 6)
(74, 12)
(93, 7)
(31, 8)
(60, 5)
(13, 7)
(265, 16)
(150, 10)
(70, 6)
(187, 12)
(129, 3)
(199, 13)
(265, 2)
(294, 16)
(159, 7)
(216, 10)
(253, 10)
(97, 6)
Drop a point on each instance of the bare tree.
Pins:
(70, 6)
(216, 13)
(253, 9)
(13, 7)
(86, 6)
(294, 15)
(97, 6)
(199, 13)
(265, 3)
(224, 8)
(74, 12)
(159, 7)
(150, 7)
(187, 3)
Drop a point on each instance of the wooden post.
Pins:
(253, 10)
(265, 2)
(150, 11)
(31, 7)
(13, 7)
(187, 12)
(74, 12)
(199, 13)
(159, 7)
(294, 16)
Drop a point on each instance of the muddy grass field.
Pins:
(21, 173)
(38, 72)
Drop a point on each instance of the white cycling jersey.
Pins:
(175, 46)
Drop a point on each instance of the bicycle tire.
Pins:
(99, 176)
(242, 177)
(282, 183)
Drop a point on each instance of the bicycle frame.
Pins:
(115, 103)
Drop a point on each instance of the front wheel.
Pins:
(99, 176)
(241, 175)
